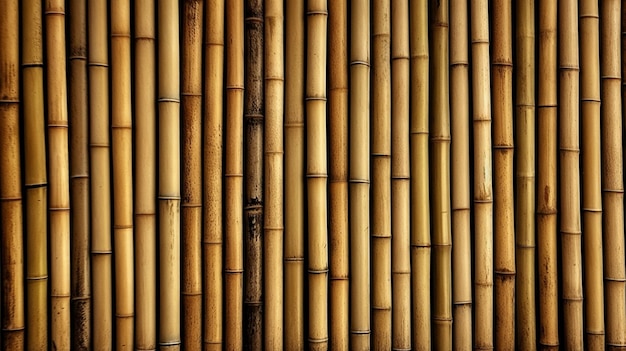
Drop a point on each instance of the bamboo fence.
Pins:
(267, 174)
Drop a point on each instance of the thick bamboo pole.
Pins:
(504, 203)
(213, 151)
(612, 177)
(569, 154)
(191, 110)
(273, 216)
(35, 178)
(381, 171)
(317, 173)
(483, 186)
(460, 177)
(11, 241)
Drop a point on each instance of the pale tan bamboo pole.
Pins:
(359, 175)
(11, 267)
(504, 203)
(483, 186)
(400, 177)
(191, 110)
(612, 177)
(145, 176)
(525, 250)
(273, 230)
(213, 151)
(100, 181)
(591, 173)
(317, 173)
(381, 175)
(35, 178)
(569, 180)
(295, 159)
(420, 192)
(460, 177)
(233, 173)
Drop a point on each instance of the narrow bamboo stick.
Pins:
(460, 177)
(483, 186)
(359, 175)
(145, 176)
(400, 176)
(213, 150)
(273, 216)
(612, 177)
(317, 173)
(191, 109)
(11, 241)
(35, 177)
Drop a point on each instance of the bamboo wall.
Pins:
(321, 174)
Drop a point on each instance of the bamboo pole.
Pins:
(145, 177)
(35, 178)
(191, 109)
(460, 173)
(11, 271)
(317, 173)
(359, 175)
(213, 150)
(233, 172)
(612, 177)
(483, 187)
(381, 171)
(273, 216)
(338, 174)
(400, 177)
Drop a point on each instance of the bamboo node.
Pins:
(54, 12)
(318, 340)
(570, 149)
(37, 277)
(360, 332)
(592, 210)
(169, 99)
(233, 271)
(293, 259)
(317, 175)
(317, 12)
(359, 62)
(81, 298)
(9, 101)
(26, 65)
(169, 343)
(614, 280)
(358, 181)
(572, 232)
(98, 64)
(315, 98)
(317, 271)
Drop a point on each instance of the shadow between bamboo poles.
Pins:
(11, 269)
(460, 176)
(525, 250)
(294, 175)
(213, 151)
(35, 177)
(338, 174)
(612, 177)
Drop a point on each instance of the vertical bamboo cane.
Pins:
(460, 173)
(381, 171)
(483, 192)
(212, 168)
(400, 176)
(359, 175)
(192, 174)
(273, 219)
(11, 271)
(317, 174)
(612, 177)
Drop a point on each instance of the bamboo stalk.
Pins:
(273, 216)
(213, 149)
(400, 176)
(11, 241)
(35, 178)
(317, 173)
(460, 173)
(483, 186)
(612, 177)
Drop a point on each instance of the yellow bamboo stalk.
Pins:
(213, 149)
(612, 177)
(35, 178)
(273, 215)
(483, 187)
(145, 176)
(11, 241)
(233, 172)
(460, 177)
(317, 173)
